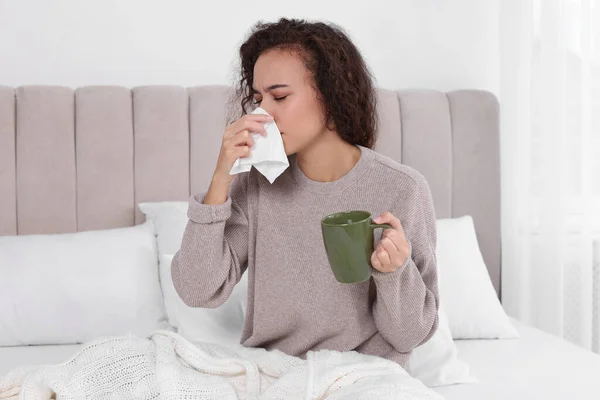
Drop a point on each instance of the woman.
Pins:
(314, 83)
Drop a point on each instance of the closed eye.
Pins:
(257, 102)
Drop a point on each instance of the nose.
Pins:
(270, 111)
(266, 107)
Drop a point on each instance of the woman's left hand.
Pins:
(393, 249)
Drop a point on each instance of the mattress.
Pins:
(11, 357)
(535, 366)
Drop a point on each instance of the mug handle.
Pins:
(374, 226)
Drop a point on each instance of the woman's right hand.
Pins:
(237, 142)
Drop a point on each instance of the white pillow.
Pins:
(71, 288)
(435, 362)
(223, 324)
(471, 303)
(170, 219)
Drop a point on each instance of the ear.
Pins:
(331, 124)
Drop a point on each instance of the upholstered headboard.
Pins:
(73, 160)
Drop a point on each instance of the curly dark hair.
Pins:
(341, 78)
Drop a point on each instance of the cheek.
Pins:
(300, 119)
(303, 116)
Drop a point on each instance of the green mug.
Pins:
(348, 238)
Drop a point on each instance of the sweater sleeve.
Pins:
(406, 305)
(214, 249)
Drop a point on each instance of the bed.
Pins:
(96, 152)
(535, 366)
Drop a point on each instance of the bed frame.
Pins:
(81, 159)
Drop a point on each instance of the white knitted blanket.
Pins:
(167, 366)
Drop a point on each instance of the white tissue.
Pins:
(267, 155)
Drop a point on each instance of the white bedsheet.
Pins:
(535, 366)
(11, 357)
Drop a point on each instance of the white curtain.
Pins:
(550, 103)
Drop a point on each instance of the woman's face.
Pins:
(283, 87)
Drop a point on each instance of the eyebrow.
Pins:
(272, 87)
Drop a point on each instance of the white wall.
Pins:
(407, 43)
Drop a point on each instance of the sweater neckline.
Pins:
(341, 184)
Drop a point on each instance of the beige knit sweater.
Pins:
(273, 232)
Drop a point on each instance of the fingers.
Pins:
(243, 138)
(395, 235)
(235, 152)
(237, 142)
(259, 117)
(392, 251)
(387, 257)
(250, 122)
(384, 258)
(375, 261)
(389, 218)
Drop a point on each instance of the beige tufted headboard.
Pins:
(73, 160)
